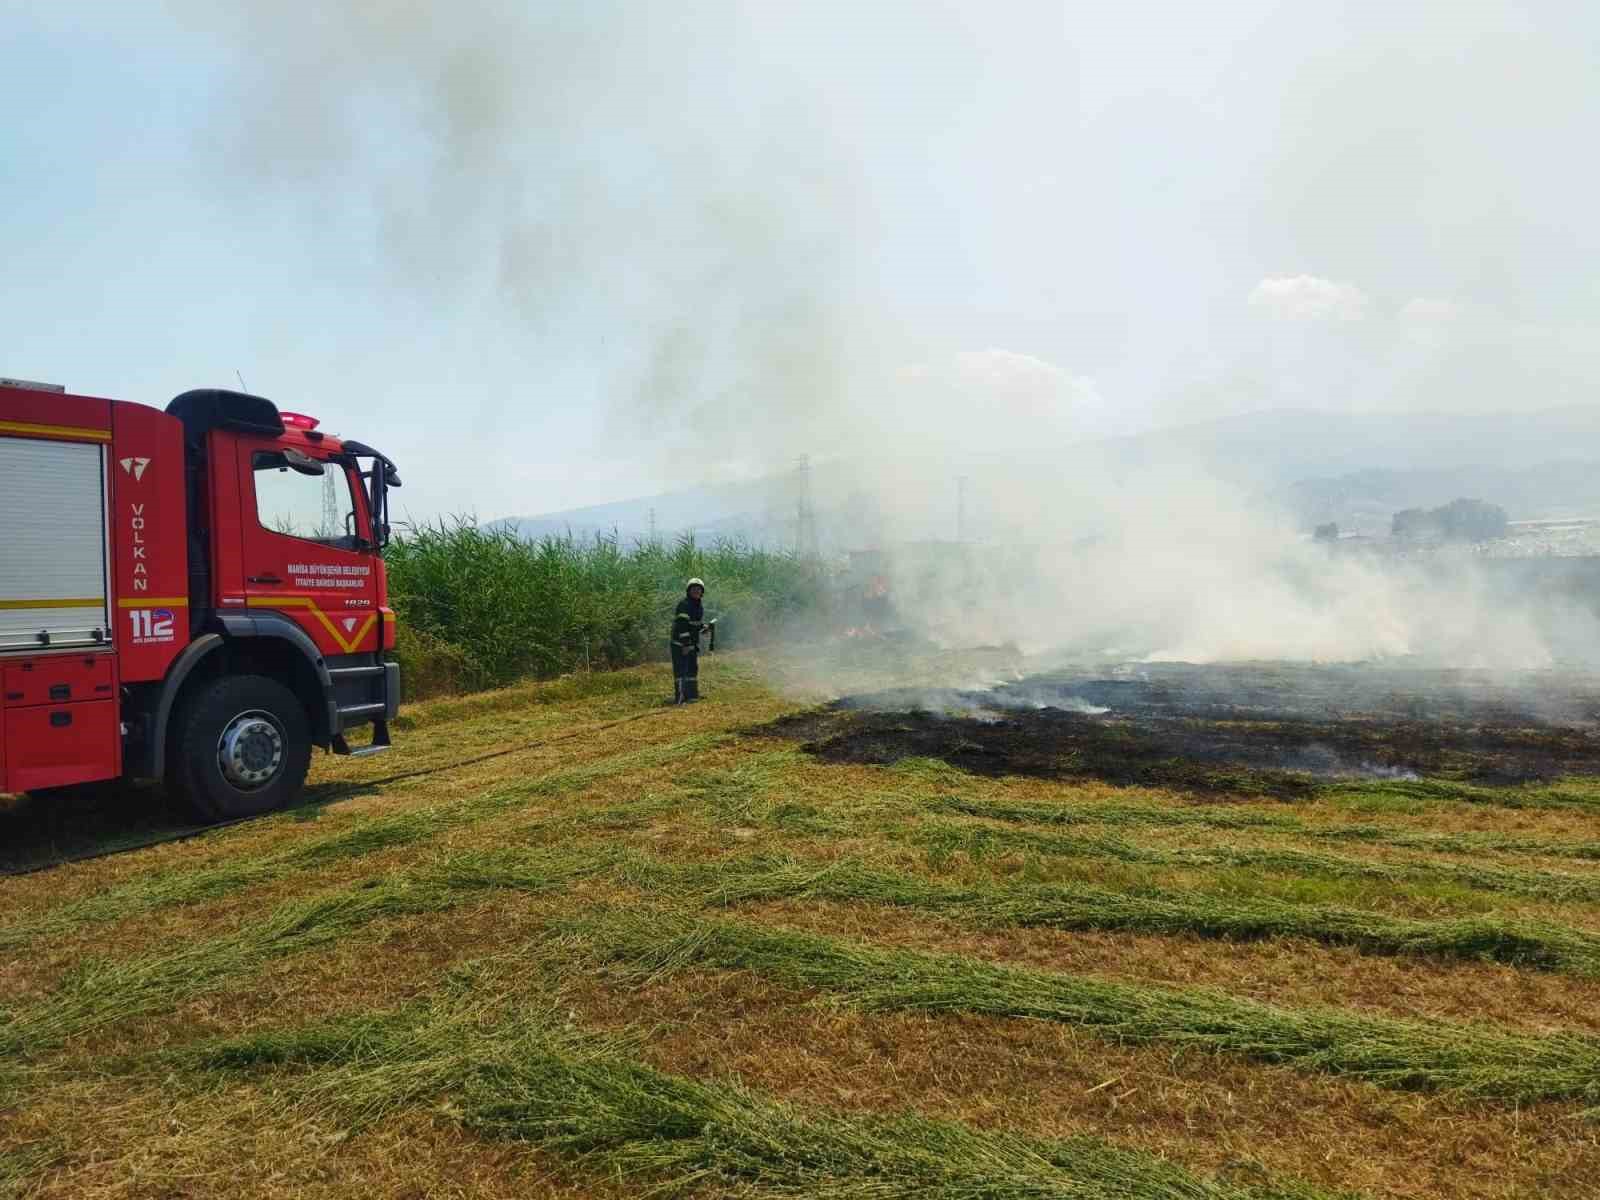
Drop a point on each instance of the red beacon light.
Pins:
(298, 420)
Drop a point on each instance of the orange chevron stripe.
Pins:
(309, 603)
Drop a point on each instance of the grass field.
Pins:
(568, 941)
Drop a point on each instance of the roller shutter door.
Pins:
(52, 544)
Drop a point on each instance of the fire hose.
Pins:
(705, 627)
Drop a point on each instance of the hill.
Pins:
(1348, 467)
(1365, 501)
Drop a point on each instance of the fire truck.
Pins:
(195, 596)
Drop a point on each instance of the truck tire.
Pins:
(240, 747)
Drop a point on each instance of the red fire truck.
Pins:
(195, 596)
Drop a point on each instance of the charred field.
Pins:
(1274, 729)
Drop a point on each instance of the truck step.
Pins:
(368, 671)
(380, 742)
(376, 708)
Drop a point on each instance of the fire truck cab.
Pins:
(195, 596)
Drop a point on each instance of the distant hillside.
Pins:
(729, 510)
(1280, 447)
(1365, 501)
(1354, 468)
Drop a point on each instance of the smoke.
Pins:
(639, 188)
(1164, 564)
(731, 226)
(925, 243)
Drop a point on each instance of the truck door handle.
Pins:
(263, 579)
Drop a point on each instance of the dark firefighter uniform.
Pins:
(688, 619)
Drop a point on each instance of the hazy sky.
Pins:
(546, 255)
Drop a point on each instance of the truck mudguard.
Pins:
(269, 624)
(235, 625)
(153, 763)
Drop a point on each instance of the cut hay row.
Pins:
(1569, 794)
(518, 1077)
(178, 886)
(22, 1166)
(945, 838)
(731, 793)
(1391, 1053)
(557, 783)
(102, 993)
(1019, 904)
(1293, 787)
(1213, 817)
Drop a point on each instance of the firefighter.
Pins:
(687, 622)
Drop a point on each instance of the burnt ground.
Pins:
(1252, 728)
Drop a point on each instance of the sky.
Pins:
(547, 255)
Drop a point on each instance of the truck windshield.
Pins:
(315, 507)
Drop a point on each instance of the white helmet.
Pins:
(695, 582)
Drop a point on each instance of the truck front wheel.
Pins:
(241, 746)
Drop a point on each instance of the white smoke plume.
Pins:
(1163, 564)
(701, 201)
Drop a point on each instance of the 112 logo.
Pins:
(151, 624)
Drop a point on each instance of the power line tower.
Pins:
(332, 518)
(652, 525)
(805, 526)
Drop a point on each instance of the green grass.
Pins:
(758, 790)
(557, 783)
(1019, 904)
(1213, 817)
(942, 839)
(517, 1074)
(1405, 1055)
(482, 608)
(23, 1166)
(1459, 843)
(625, 1120)
(179, 886)
(644, 830)
(1429, 898)
(551, 694)
(1415, 795)
(1133, 815)
(106, 992)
